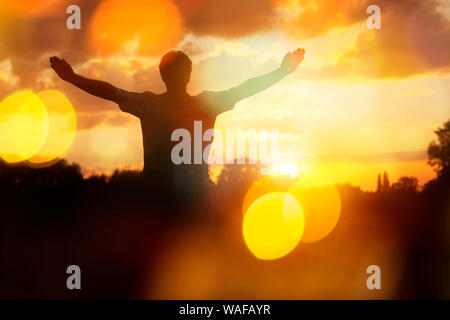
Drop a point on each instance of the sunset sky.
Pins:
(363, 101)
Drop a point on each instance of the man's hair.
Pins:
(175, 66)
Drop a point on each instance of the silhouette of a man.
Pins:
(161, 114)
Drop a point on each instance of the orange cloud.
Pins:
(310, 18)
(31, 8)
(413, 38)
(145, 27)
(87, 121)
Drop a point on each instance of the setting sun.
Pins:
(289, 169)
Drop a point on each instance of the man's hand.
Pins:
(62, 68)
(291, 60)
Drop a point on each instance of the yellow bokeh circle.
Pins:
(62, 127)
(321, 204)
(273, 225)
(37, 128)
(258, 189)
(23, 126)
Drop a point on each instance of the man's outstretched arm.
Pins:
(97, 88)
(252, 86)
(221, 101)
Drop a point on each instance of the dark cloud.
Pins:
(27, 41)
(225, 18)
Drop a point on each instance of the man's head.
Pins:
(175, 68)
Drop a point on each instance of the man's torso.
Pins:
(160, 118)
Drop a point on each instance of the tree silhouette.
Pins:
(386, 183)
(379, 184)
(439, 151)
(406, 184)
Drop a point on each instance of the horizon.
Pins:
(216, 170)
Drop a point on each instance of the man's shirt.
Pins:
(160, 116)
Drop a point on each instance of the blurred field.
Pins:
(129, 246)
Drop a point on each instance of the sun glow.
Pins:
(288, 169)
